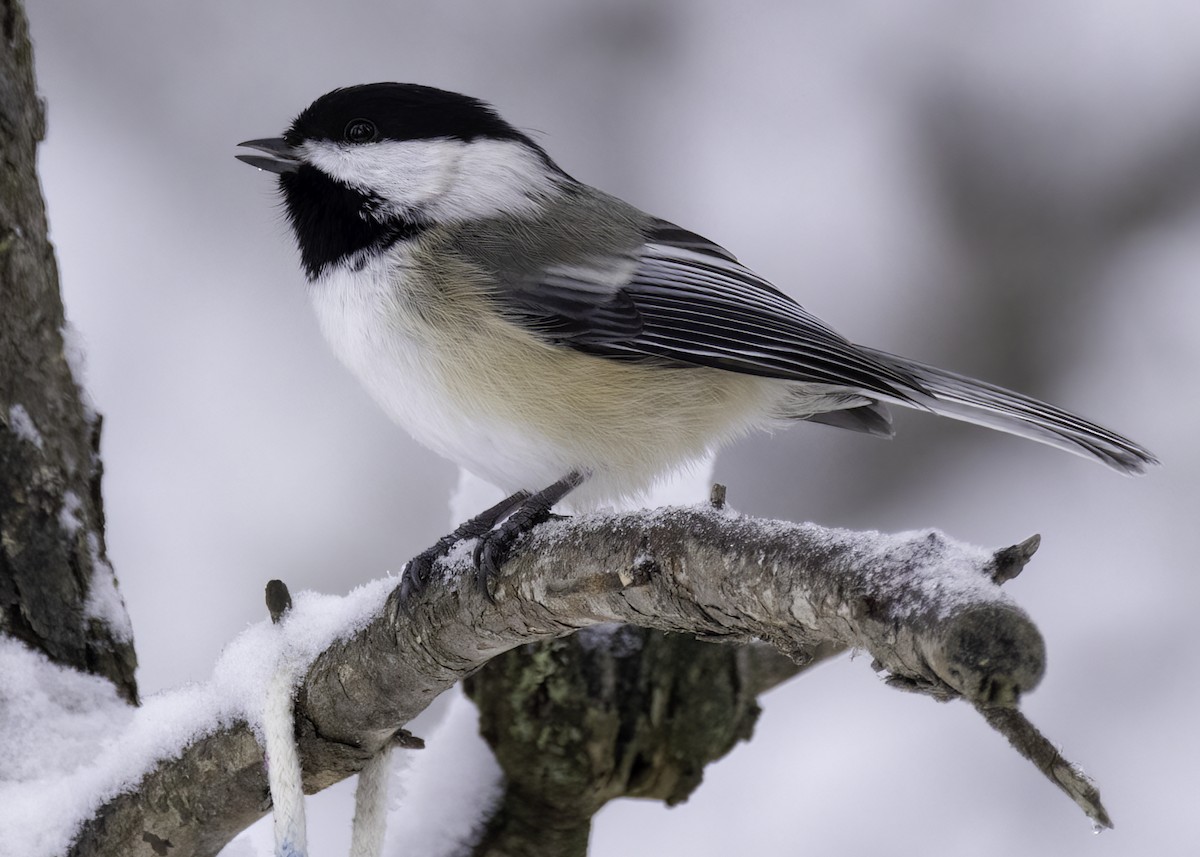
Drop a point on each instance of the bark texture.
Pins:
(57, 590)
(613, 711)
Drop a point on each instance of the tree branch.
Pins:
(925, 607)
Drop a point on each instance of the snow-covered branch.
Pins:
(928, 609)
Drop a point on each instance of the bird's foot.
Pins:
(419, 569)
(493, 547)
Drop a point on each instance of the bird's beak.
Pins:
(279, 157)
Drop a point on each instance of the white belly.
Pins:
(514, 410)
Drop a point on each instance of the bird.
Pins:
(554, 339)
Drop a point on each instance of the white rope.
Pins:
(283, 762)
(283, 767)
(370, 806)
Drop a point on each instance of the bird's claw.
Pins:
(491, 551)
(417, 573)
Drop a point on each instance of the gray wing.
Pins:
(681, 300)
(677, 299)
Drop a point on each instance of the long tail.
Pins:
(986, 404)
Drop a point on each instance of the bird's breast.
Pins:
(428, 345)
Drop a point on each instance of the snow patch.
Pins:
(104, 603)
(22, 424)
(75, 353)
(68, 743)
(56, 725)
(70, 516)
(924, 569)
(61, 718)
(316, 621)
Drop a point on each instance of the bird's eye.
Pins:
(361, 131)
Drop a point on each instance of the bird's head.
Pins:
(363, 166)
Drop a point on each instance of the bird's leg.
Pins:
(418, 569)
(494, 545)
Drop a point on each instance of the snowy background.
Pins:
(1006, 189)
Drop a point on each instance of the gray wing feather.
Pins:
(682, 300)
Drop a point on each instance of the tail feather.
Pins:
(967, 399)
(872, 419)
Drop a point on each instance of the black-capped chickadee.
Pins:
(539, 332)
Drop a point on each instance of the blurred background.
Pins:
(1010, 190)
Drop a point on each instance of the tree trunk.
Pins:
(57, 590)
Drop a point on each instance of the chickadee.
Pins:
(540, 332)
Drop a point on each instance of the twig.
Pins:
(279, 600)
(1034, 746)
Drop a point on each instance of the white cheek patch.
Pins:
(406, 175)
(444, 180)
(496, 177)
